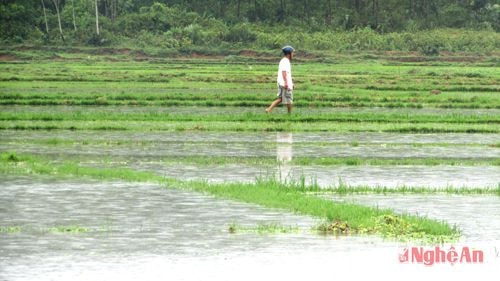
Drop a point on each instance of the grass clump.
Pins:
(345, 217)
(70, 229)
(9, 157)
(10, 229)
(263, 228)
(336, 227)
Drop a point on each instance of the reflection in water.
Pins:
(284, 154)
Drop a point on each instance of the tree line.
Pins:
(178, 23)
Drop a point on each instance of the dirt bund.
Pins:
(4, 57)
(249, 55)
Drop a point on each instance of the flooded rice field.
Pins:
(225, 110)
(126, 218)
(69, 229)
(95, 167)
(145, 151)
(144, 231)
(262, 137)
(330, 176)
(478, 217)
(244, 149)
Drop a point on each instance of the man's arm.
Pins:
(284, 78)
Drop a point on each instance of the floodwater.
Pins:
(322, 138)
(144, 151)
(477, 216)
(139, 231)
(203, 110)
(146, 232)
(260, 150)
(330, 176)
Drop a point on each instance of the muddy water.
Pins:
(203, 110)
(477, 216)
(262, 137)
(329, 176)
(145, 232)
(144, 151)
(258, 150)
(124, 218)
(248, 145)
(127, 221)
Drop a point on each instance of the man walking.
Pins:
(285, 82)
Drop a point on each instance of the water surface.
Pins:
(144, 231)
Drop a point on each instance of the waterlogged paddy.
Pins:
(324, 176)
(478, 217)
(204, 110)
(245, 149)
(148, 232)
(148, 151)
(262, 137)
(129, 218)
(131, 231)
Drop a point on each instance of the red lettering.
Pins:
(440, 255)
(417, 254)
(478, 256)
(452, 255)
(465, 255)
(429, 257)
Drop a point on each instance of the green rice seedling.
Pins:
(10, 229)
(263, 228)
(70, 229)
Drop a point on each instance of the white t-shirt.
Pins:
(285, 66)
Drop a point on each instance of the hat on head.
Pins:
(287, 50)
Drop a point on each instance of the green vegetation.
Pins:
(429, 27)
(100, 93)
(59, 229)
(360, 66)
(13, 163)
(272, 161)
(268, 193)
(264, 228)
(339, 117)
(68, 229)
(10, 229)
(350, 83)
(251, 127)
(345, 189)
(356, 161)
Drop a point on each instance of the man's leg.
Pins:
(273, 105)
(289, 100)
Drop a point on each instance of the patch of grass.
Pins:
(357, 161)
(352, 82)
(59, 229)
(337, 227)
(263, 228)
(272, 161)
(70, 229)
(343, 188)
(9, 157)
(359, 219)
(245, 126)
(222, 116)
(10, 229)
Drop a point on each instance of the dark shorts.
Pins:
(285, 95)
